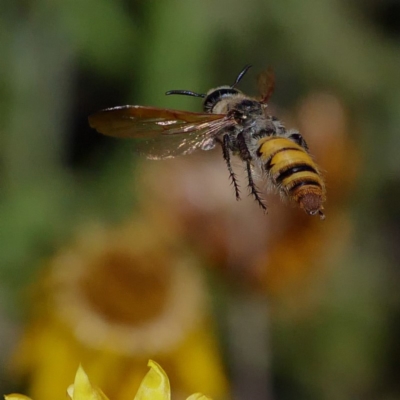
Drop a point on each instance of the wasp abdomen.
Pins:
(293, 172)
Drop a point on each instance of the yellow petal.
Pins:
(82, 389)
(198, 396)
(16, 396)
(155, 385)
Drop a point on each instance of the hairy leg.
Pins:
(226, 152)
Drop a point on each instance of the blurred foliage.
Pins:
(62, 60)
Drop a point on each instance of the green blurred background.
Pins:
(62, 60)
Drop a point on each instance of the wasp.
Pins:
(241, 125)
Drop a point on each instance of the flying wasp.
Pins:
(241, 125)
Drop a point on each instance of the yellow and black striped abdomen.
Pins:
(293, 172)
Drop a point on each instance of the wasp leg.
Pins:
(246, 157)
(253, 189)
(226, 146)
(298, 139)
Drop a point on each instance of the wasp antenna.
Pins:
(240, 76)
(186, 93)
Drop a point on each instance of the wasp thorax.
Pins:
(216, 95)
(249, 107)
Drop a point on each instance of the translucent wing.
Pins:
(266, 84)
(169, 146)
(161, 133)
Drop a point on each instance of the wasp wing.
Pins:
(266, 84)
(161, 133)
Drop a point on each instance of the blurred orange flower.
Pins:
(111, 301)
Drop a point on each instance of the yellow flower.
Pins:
(16, 396)
(82, 389)
(154, 386)
(112, 300)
